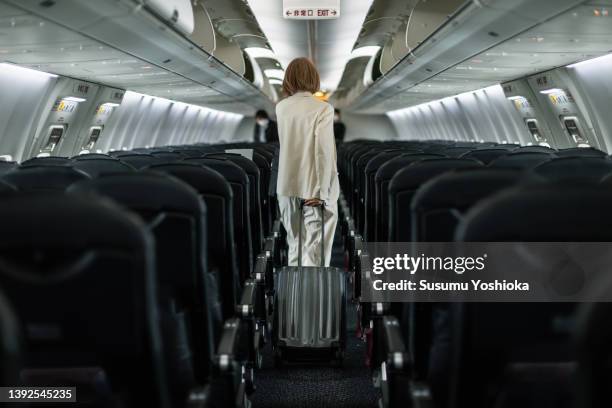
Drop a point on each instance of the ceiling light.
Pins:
(74, 99)
(260, 52)
(516, 98)
(552, 91)
(274, 73)
(110, 104)
(368, 51)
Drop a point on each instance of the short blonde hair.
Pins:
(301, 75)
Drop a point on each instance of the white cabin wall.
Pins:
(376, 127)
(22, 100)
(594, 85)
(143, 121)
(246, 129)
(482, 115)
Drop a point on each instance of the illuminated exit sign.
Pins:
(311, 9)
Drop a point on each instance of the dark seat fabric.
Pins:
(351, 188)
(97, 167)
(580, 152)
(534, 149)
(437, 207)
(6, 188)
(534, 336)
(176, 216)
(404, 185)
(382, 178)
(10, 344)
(240, 184)
(509, 355)
(89, 267)
(593, 337)
(265, 171)
(221, 248)
(440, 203)
(45, 161)
(141, 160)
(456, 151)
(189, 152)
(5, 166)
(44, 178)
(486, 155)
(575, 169)
(88, 156)
(359, 181)
(255, 182)
(589, 224)
(369, 191)
(526, 160)
(120, 153)
(168, 156)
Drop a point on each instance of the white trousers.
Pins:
(292, 217)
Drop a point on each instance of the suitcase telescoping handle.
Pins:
(322, 206)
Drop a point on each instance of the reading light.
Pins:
(274, 73)
(73, 99)
(259, 52)
(552, 91)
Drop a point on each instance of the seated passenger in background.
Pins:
(339, 127)
(266, 130)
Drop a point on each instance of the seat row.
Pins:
(143, 287)
(477, 354)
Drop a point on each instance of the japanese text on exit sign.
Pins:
(311, 13)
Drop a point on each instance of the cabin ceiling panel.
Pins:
(576, 34)
(331, 41)
(95, 55)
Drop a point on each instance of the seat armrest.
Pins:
(397, 357)
(229, 346)
(228, 375)
(248, 300)
(264, 272)
(351, 229)
(276, 228)
(261, 267)
(270, 246)
(397, 384)
(379, 309)
(199, 397)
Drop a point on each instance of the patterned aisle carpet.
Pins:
(318, 386)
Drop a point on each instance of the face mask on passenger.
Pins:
(336, 118)
(262, 122)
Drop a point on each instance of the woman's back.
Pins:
(307, 166)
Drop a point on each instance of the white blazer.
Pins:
(307, 160)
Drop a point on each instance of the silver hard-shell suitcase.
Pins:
(310, 310)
